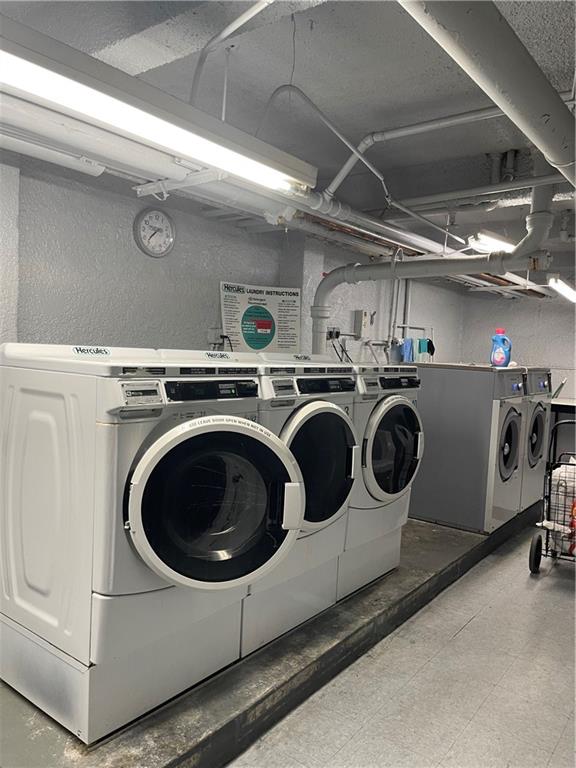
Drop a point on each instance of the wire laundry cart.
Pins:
(557, 535)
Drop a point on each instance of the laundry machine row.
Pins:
(162, 513)
(487, 433)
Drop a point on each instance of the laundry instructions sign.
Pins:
(260, 318)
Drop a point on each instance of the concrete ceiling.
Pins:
(366, 64)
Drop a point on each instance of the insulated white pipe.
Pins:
(75, 162)
(329, 124)
(224, 34)
(356, 273)
(538, 225)
(489, 189)
(436, 124)
(480, 40)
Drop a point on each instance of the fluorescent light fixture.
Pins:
(489, 242)
(562, 288)
(42, 85)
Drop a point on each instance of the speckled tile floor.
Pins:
(482, 677)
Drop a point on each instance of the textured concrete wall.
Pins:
(542, 333)
(84, 280)
(443, 309)
(9, 203)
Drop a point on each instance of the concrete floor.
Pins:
(482, 677)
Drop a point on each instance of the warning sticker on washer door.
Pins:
(257, 317)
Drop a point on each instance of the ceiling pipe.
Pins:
(416, 129)
(341, 238)
(223, 35)
(489, 189)
(538, 225)
(480, 40)
(390, 201)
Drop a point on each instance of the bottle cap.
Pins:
(500, 330)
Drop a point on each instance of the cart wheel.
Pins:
(535, 553)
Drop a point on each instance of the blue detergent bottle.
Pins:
(501, 348)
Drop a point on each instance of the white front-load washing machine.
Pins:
(139, 499)
(307, 404)
(537, 397)
(392, 439)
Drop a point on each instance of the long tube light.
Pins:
(488, 242)
(38, 82)
(562, 288)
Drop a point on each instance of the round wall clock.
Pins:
(154, 232)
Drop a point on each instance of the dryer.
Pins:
(139, 499)
(392, 439)
(307, 402)
(471, 474)
(538, 393)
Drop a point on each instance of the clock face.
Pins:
(154, 232)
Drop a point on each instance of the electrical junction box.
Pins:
(362, 323)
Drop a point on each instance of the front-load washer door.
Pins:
(392, 448)
(536, 435)
(323, 440)
(509, 444)
(215, 503)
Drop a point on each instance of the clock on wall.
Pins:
(154, 232)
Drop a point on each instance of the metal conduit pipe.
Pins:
(336, 131)
(334, 210)
(435, 124)
(480, 40)
(490, 189)
(407, 303)
(538, 225)
(224, 34)
(341, 238)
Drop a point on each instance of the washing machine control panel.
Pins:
(188, 391)
(142, 393)
(509, 384)
(399, 382)
(284, 387)
(326, 385)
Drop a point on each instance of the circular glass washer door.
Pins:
(536, 435)
(215, 503)
(323, 441)
(509, 444)
(392, 448)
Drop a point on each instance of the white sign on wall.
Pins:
(258, 317)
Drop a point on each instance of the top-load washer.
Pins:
(139, 499)
(307, 403)
(471, 475)
(392, 439)
(537, 396)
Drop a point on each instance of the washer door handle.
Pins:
(354, 460)
(419, 445)
(292, 514)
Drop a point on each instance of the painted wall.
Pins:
(83, 280)
(542, 333)
(9, 204)
(69, 263)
